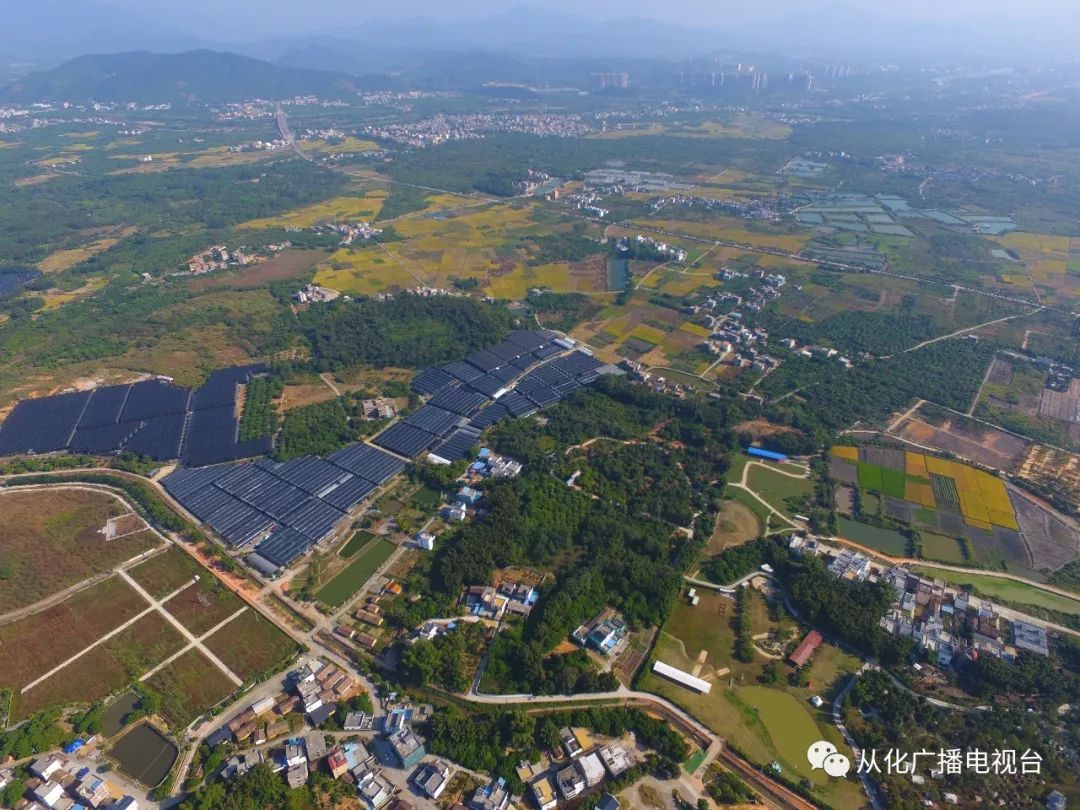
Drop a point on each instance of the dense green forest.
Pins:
(319, 429)
(878, 333)
(609, 553)
(41, 217)
(831, 397)
(893, 717)
(259, 417)
(406, 331)
(465, 166)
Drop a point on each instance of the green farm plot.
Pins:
(892, 482)
(426, 498)
(944, 488)
(356, 543)
(881, 479)
(870, 476)
(365, 563)
(941, 547)
(887, 541)
(1007, 590)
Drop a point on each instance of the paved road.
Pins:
(838, 719)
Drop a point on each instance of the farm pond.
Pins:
(145, 755)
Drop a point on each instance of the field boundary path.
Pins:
(62, 596)
(190, 646)
(232, 676)
(154, 605)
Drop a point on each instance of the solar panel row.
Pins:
(153, 418)
(459, 445)
(42, 425)
(297, 502)
(406, 440)
(433, 420)
(459, 400)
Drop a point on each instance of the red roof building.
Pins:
(806, 648)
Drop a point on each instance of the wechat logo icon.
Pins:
(823, 755)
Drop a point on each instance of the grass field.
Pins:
(790, 725)
(735, 525)
(765, 723)
(1005, 589)
(426, 498)
(165, 572)
(886, 541)
(942, 548)
(776, 488)
(204, 605)
(66, 259)
(366, 561)
(189, 686)
(250, 645)
(51, 540)
(356, 543)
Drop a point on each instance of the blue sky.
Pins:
(289, 16)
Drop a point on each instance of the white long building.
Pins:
(682, 678)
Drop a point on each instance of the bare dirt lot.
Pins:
(1051, 540)
(967, 439)
(1064, 405)
(287, 264)
(735, 525)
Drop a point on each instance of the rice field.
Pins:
(931, 482)
(363, 207)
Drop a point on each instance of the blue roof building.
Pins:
(769, 455)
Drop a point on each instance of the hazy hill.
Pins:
(50, 30)
(143, 77)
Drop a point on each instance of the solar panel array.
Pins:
(533, 385)
(459, 392)
(152, 418)
(290, 506)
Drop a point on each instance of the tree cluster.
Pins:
(407, 331)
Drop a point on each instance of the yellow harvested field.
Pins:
(973, 509)
(58, 160)
(364, 208)
(742, 125)
(650, 334)
(367, 271)
(921, 494)
(941, 466)
(349, 144)
(35, 179)
(695, 329)
(1045, 255)
(916, 464)
(54, 299)
(66, 259)
(845, 452)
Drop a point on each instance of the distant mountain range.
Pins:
(206, 76)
